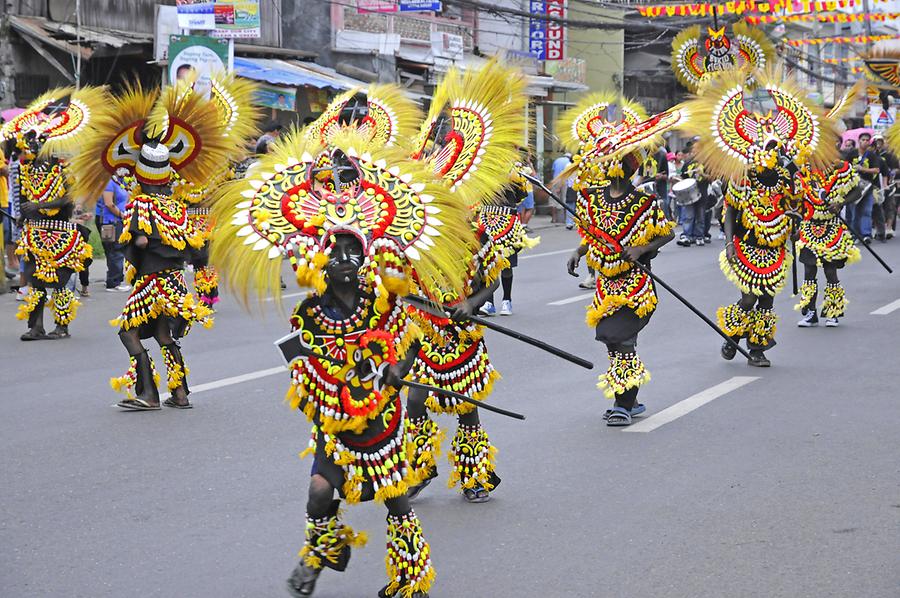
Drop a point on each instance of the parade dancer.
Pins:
(757, 140)
(51, 246)
(825, 241)
(620, 228)
(477, 110)
(501, 222)
(153, 135)
(358, 220)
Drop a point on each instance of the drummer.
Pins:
(697, 216)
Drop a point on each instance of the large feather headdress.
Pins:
(596, 116)
(694, 62)
(59, 118)
(304, 192)
(180, 126)
(742, 128)
(473, 130)
(381, 113)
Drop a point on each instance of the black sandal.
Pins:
(171, 403)
(302, 581)
(619, 417)
(137, 405)
(58, 334)
(413, 492)
(34, 335)
(478, 494)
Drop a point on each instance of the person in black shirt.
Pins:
(884, 215)
(868, 164)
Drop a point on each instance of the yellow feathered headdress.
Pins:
(694, 63)
(113, 144)
(595, 116)
(474, 127)
(233, 98)
(741, 129)
(883, 64)
(303, 192)
(381, 113)
(150, 134)
(59, 118)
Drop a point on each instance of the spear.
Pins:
(443, 310)
(291, 347)
(643, 268)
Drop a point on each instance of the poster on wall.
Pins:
(276, 96)
(547, 37)
(196, 14)
(197, 56)
(237, 20)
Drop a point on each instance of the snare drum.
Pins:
(686, 192)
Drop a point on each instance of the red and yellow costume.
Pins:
(152, 136)
(625, 296)
(760, 148)
(350, 176)
(53, 249)
(824, 240)
(469, 140)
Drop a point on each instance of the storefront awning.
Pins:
(281, 72)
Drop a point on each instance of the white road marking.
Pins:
(234, 380)
(689, 404)
(287, 295)
(572, 299)
(890, 307)
(528, 256)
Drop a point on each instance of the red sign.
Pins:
(556, 32)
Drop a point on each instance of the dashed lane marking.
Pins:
(231, 381)
(689, 404)
(572, 299)
(528, 256)
(889, 308)
(287, 295)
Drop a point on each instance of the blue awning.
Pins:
(279, 72)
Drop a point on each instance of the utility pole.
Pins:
(78, 44)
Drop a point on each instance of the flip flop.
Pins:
(619, 417)
(137, 405)
(637, 411)
(170, 403)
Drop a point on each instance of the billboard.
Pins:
(237, 20)
(197, 56)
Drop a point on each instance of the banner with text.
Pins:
(237, 20)
(196, 14)
(546, 34)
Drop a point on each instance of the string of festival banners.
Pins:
(840, 39)
(839, 17)
(742, 7)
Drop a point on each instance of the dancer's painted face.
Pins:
(346, 258)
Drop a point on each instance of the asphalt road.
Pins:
(786, 486)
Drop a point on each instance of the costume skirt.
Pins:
(757, 269)
(826, 243)
(161, 294)
(52, 250)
